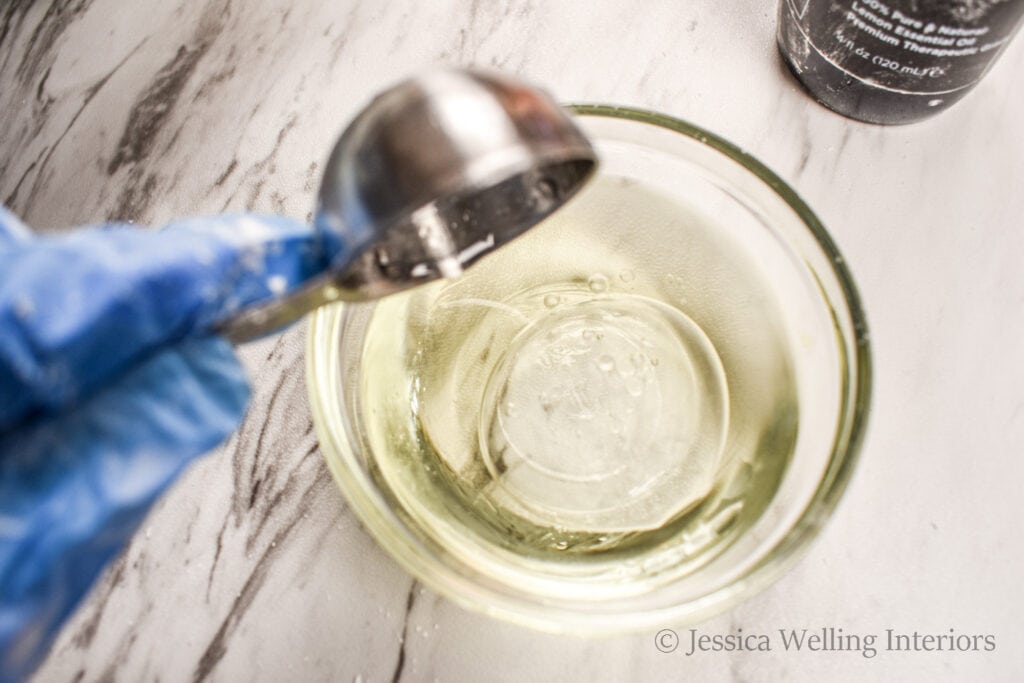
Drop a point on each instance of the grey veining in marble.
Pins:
(253, 568)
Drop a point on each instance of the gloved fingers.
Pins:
(74, 488)
(78, 309)
(12, 230)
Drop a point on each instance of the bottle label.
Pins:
(914, 46)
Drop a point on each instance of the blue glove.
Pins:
(110, 384)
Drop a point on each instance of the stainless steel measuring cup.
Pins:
(433, 174)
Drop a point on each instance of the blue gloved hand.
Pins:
(110, 384)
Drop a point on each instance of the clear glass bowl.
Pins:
(635, 415)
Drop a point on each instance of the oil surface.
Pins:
(610, 394)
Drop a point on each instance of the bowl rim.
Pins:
(856, 390)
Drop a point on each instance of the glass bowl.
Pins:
(635, 415)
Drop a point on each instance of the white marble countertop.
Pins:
(253, 568)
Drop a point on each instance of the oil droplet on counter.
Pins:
(552, 300)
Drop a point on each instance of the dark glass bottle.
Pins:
(893, 61)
